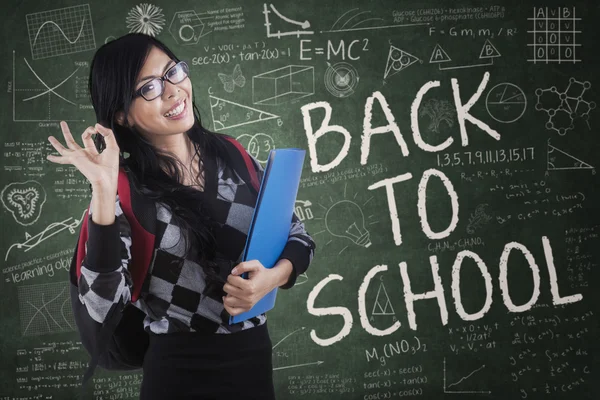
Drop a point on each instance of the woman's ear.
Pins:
(120, 118)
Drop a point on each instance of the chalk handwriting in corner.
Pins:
(351, 19)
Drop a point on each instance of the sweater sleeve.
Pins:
(300, 247)
(105, 277)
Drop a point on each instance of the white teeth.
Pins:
(176, 111)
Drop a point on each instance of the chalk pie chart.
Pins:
(506, 102)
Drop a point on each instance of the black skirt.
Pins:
(201, 366)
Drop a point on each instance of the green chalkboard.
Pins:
(450, 185)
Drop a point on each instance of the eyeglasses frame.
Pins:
(162, 79)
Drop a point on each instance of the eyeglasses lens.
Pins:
(177, 74)
(155, 87)
(152, 89)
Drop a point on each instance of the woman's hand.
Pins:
(243, 294)
(100, 169)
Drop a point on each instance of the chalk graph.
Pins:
(62, 31)
(474, 385)
(45, 309)
(296, 345)
(34, 100)
(290, 26)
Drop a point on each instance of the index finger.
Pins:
(65, 128)
(109, 137)
(237, 281)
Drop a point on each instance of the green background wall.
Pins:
(490, 208)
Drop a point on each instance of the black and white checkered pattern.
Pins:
(172, 295)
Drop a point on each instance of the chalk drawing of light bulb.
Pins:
(346, 219)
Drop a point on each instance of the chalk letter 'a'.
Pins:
(369, 131)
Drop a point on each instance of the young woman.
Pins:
(142, 96)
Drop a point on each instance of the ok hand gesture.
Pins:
(100, 169)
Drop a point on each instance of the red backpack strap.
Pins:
(249, 163)
(142, 246)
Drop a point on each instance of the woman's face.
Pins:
(159, 117)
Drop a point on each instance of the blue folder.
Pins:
(272, 218)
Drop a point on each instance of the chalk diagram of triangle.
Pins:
(560, 160)
(383, 305)
(488, 52)
(228, 114)
(439, 55)
(397, 61)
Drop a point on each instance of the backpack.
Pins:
(120, 343)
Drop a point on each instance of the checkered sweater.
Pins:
(175, 296)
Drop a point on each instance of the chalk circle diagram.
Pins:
(187, 27)
(109, 39)
(62, 31)
(341, 79)
(45, 309)
(24, 200)
(145, 18)
(506, 102)
(258, 145)
(398, 60)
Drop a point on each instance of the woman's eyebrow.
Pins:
(152, 76)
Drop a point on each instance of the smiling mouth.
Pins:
(177, 110)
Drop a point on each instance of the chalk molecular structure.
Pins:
(564, 107)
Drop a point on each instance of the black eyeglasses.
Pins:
(156, 87)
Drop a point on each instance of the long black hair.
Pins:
(113, 73)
